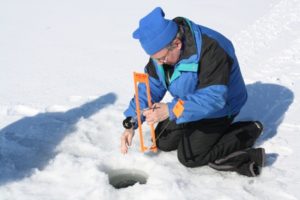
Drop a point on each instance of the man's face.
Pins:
(169, 55)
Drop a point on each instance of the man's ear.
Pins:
(178, 44)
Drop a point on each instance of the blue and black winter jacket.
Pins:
(207, 78)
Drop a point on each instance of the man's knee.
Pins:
(169, 141)
(165, 146)
(194, 161)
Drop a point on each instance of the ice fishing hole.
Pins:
(123, 178)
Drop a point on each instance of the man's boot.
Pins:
(247, 162)
(257, 155)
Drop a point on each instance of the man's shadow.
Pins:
(30, 142)
(267, 103)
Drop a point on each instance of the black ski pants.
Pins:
(199, 143)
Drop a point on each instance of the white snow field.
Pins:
(66, 77)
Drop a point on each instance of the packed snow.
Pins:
(66, 72)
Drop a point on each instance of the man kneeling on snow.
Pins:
(199, 68)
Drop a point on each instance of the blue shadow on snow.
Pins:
(267, 103)
(30, 142)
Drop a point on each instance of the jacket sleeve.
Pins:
(211, 94)
(200, 104)
(157, 91)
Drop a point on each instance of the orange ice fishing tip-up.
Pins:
(143, 78)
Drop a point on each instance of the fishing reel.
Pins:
(129, 122)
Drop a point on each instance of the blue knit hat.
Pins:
(155, 32)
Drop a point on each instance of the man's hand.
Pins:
(157, 113)
(126, 140)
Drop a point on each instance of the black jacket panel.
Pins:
(214, 65)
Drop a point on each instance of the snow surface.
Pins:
(66, 77)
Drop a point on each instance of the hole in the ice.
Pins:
(123, 178)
